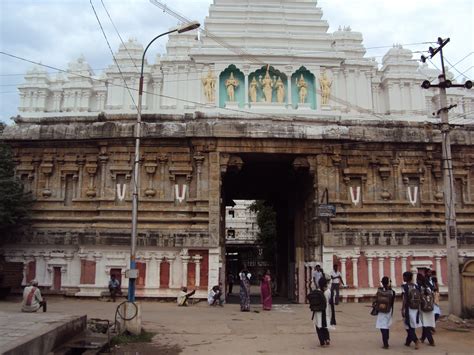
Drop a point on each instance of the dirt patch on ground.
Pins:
(146, 348)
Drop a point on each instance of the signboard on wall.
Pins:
(326, 210)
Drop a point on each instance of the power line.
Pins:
(112, 52)
(118, 34)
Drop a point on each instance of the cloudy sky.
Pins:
(55, 32)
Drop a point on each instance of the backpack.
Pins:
(383, 300)
(317, 301)
(414, 297)
(427, 300)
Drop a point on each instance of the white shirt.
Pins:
(316, 276)
(334, 277)
(35, 300)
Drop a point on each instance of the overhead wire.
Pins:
(118, 34)
(113, 55)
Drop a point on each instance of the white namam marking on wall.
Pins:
(180, 196)
(355, 199)
(121, 188)
(412, 197)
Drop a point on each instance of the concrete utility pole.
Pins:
(454, 280)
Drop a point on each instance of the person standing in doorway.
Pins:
(384, 301)
(336, 281)
(411, 298)
(266, 291)
(114, 287)
(230, 282)
(244, 276)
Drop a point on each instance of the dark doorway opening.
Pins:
(287, 187)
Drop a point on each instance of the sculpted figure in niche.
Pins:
(302, 89)
(209, 83)
(231, 84)
(280, 91)
(325, 85)
(253, 90)
(267, 85)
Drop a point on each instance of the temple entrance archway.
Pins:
(285, 182)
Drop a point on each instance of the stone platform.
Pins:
(37, 333)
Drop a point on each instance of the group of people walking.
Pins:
(420, 305)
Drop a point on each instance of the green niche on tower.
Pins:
(303, 90)
(231, 86)
(268, 84)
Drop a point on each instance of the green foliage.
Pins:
(15, 204)
(266, 220)
(126, 338)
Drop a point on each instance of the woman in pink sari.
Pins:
(266, 291)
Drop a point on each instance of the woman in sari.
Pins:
(244, 291)
(266, 291)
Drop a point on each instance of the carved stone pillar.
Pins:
(246, 101)
(199, 159)
(355, 276)
(370, 271)
(162, 160)
(289, 89)
(439, 274)
(103, 158)
(392, 270)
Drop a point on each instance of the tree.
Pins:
(266, 221)
(15, 203)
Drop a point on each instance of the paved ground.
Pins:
(17, 327)
(287, 329)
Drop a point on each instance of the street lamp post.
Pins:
(133, 274)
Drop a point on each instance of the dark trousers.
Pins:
(335, 289)
(323, 335)
(426, 334)
(385, 336)
(411, 336)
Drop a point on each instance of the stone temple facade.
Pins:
(275, 108)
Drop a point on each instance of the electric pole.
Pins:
(454, 280)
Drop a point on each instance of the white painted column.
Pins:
(289, 94)
(439, 274)
(404, 263)
(197, 260)
(158, 270)
(149, 272)
(370, 272)
(381, 274)
(355, 276)
(184, 277)
(343, 270)
(246, 100)
(46, 271)
(392, 270)
(170, 260)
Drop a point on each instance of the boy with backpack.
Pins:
(383, 304)
(319, 305)
(426, 309)
(411, 296)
